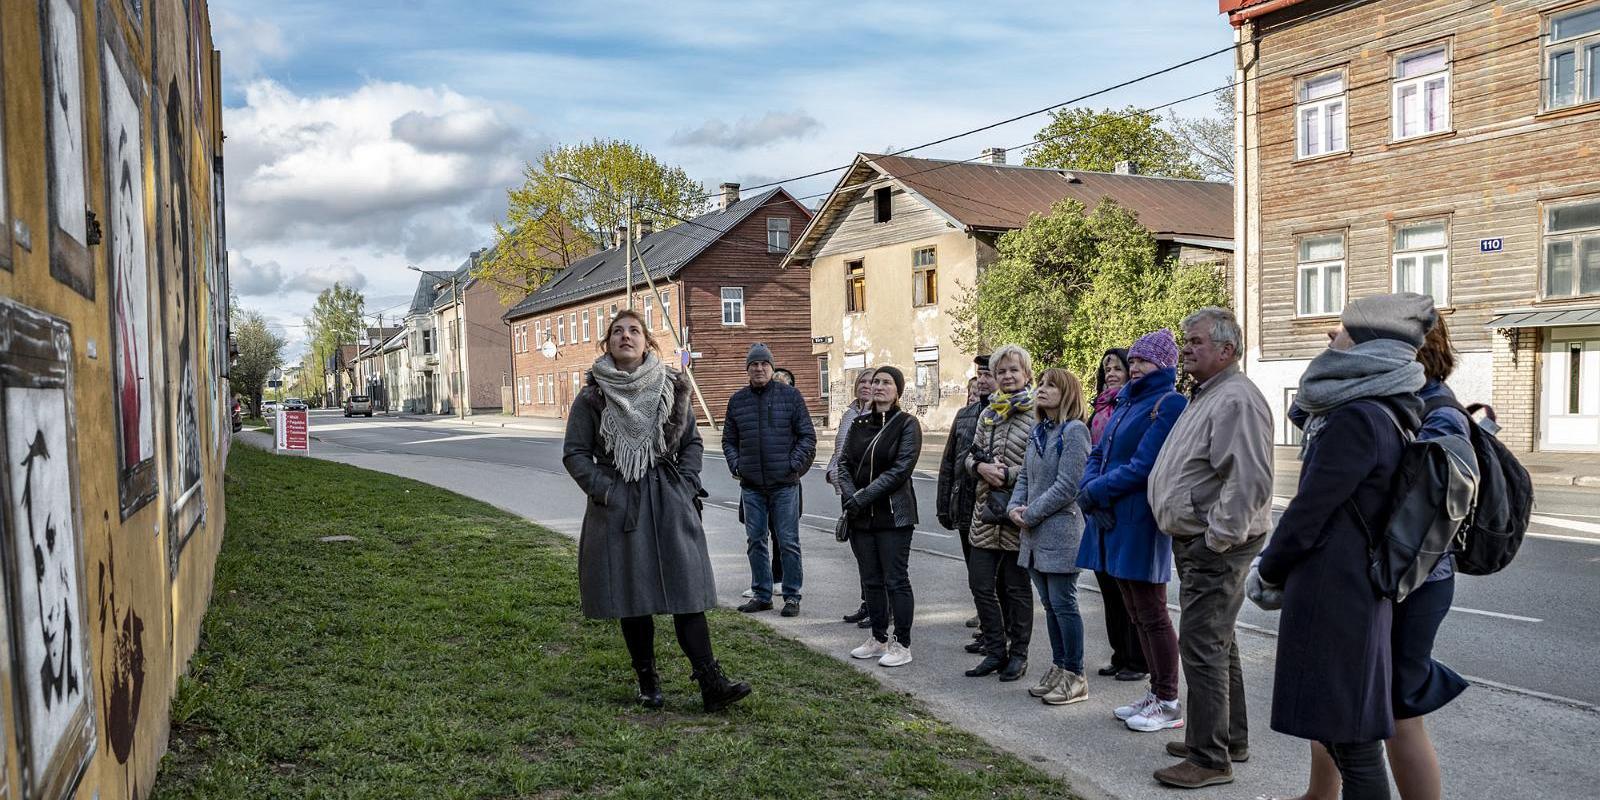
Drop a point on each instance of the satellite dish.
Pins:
(548, 348)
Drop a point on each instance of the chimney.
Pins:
(730, 195)
(993, 155)
(1127, 168)
(622, 236)
(647, 226)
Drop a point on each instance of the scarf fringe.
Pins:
(633, 424)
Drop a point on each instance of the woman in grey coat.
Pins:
(1044, 506)
(633, 448)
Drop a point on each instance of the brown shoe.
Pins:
(1181, 750)
(1189, 775)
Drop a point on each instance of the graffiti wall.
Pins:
(114, 407)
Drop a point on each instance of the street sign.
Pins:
(1494, 245)
(293, 432)
(822, 340)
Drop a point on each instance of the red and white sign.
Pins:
(293, 432)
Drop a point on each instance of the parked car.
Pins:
(295, 404)
(238, 417)
(358, 404)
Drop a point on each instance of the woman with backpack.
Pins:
(1122, 537)
(1332, 679)
(1044, 507)
(874, 480)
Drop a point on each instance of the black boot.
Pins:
(716, 691)
(649, 688)
(861, 614)
(988, 666)
(1015, 668)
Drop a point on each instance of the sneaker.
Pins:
(1047, 683)
(1133, 709)
(897, 655)
(1071, 688)
(872, 649)
(791, 608)
(756, 605)
(748, 593)
(1158, 716)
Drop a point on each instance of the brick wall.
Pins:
(1516, 380)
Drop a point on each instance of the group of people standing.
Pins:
(1043, 482)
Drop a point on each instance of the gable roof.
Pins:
(666, 252)
(1000, 197)
(422, 299)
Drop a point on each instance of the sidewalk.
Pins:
(1580, 470)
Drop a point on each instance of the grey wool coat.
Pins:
(642, 550)
(1048, 487)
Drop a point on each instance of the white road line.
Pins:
(1496, 614)
(465, 437)
(1559, 538)
(1567, 524)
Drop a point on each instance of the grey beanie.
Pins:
(1402, 316)
(758, 352)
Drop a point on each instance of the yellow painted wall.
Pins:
(147, 518)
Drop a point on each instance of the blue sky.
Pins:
(364, 136)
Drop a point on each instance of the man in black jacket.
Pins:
(769, 442)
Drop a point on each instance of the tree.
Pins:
(336, 319)
(1071, 284)
(551, 222)
(1209, 139)
(1082, 138)
(260, 352)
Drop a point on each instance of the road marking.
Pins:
(1496, 614)
(1567, 524)
(465, 437)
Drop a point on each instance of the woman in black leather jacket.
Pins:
(875, 485)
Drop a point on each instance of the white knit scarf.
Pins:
(633, 424)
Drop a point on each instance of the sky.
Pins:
(363, 137)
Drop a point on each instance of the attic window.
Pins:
(880, 204)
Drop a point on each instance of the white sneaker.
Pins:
(1136, 708)
(872, 649)
(749, 593)
(898, 655)
(1047, 683)
(1158, 716)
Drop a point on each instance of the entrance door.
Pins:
(1571, 402)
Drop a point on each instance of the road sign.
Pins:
(1494, 245)
(293, 432)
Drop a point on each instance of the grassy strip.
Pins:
(443, 656)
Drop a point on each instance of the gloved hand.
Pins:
(851, 505)
(1268, 596)
(947, 522)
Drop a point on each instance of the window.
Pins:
(1572, 249)
(733, 305)
(613, 312)
(577, 384)
(539, 397)
(1319, 115)
(924, 277)
(1422, 93)
(427, 342)
(649, 313)
(822, 376)
(777, 234)
(574, 327)
(1422, 260)
(855, 286)
(1572, 58)
(666, 308)
(588, 331)
(561, 330)
(1320, 289)
(1292, 435)
(881, 208)
(927, 377)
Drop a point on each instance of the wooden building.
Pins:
(1443, 146)
(720, 283)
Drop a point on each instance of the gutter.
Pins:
(1245, 15)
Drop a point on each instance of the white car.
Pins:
(270, 406)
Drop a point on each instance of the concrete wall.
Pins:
(112, 388)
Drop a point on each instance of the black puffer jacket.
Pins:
(957, 487)
(767, 436)
(876, 470)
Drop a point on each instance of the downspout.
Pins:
(1244, 89)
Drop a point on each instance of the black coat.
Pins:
(957, 486)
(767, 436)
(880, 478)
(1332, 675)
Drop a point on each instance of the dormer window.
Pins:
(881, 210)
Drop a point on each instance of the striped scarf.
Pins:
(1003, 404)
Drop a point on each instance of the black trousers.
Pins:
(1003, 593)
(1120, 630)
(883, 557)
(1361, 769)
(694, 637)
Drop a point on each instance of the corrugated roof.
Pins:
(666, 252)
(1535, 318)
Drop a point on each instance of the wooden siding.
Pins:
(856, 229)
(1488, 177)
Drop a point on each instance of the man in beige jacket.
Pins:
(1211, 491)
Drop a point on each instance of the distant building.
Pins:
(474, 348)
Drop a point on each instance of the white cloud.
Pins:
(247, 43)
(251, 279)
(313, 281)
(748, 132)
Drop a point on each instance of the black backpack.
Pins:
(1494, 531)
(1433, 489)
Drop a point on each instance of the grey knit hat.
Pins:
(758, 352)
(1402, 316)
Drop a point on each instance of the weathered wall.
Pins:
(113, 391)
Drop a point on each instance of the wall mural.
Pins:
(122, 687)
(63, 90)
(5, 210)
(129, 276)
(44, 536)
(178, 321)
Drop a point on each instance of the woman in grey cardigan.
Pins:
(1044, 505)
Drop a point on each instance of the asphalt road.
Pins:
(1531, 628)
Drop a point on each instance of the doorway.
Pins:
(1570, 405)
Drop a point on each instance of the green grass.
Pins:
(443, 656)
(256, 423)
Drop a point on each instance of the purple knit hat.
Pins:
(1158, 348)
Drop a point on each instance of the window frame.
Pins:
(851, 275)
(1420, 253)
(666, 308)
(825, 390)
(588, 329)
(737, 305)
(1576, 237)
(1342, 98)
(1580, 48)
(561, 329)
(882, 205)
(926, 393)
(1420, 83)
(1322, 266)
(925, 278)
(783, 230)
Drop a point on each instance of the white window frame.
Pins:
(1419, 257)
(561, 330)
(1321, 105)
(1578, 238)
(919, 277)
(1418, 84)
(777, 234)
(733, 304)
(1321, 267)
(588, 330)
(666, 308)
(649, 313)
(1585, 51)
(574, 326)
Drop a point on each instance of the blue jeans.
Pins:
(1058, 593)
(782, 507)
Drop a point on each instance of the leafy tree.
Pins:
(336, 319)
(1073, 283)
(1082, 138)
(551, 222)
(260, 352)
(1209, 139)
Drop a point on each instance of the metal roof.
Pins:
(1552, 318)
(422, 300)
(666, 252)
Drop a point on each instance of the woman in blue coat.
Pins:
(1122, 537)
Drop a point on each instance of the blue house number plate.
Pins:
(1491, 245)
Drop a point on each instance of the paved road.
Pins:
(1526, 627)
